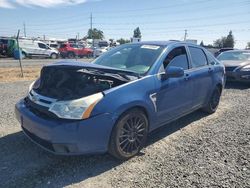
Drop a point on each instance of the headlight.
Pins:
(31, 86)
(76, 109)
(245, 68)
(34, 84)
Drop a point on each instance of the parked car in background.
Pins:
(237, 64)
(113, 103)
(222, 50)
(71, 50)
(3, 47)
(33, 48)
(100, 51)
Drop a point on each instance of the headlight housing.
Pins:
(245, 68)
(76, 109)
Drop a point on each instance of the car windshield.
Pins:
(235, 56)
(131, 57)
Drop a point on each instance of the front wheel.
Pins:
(53, 56)
(71, 55)
(24, 55)
(129, 134)
(213, 102)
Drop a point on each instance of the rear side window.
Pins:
(63, 46)
(41, 45)
(198, 57)
(177, 57)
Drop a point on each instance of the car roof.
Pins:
(160, 43)
(165, 43)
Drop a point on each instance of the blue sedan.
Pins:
(111, 104)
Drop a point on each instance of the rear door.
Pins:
(174, 96)
(202, 77)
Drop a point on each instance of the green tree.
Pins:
(220, 43)
(225, 42)
(95, 34)
(123, 41)
(137, 33)
(229, 42)
(248, 45)
(202, 44)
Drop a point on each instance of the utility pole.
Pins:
(20, 53)
(185, 35)
(24, 29)
(91, 27)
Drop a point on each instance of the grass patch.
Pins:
(12, 74)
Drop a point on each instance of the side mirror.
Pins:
(173, 72)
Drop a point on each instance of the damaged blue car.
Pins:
(113, 103)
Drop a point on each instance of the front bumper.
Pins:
(66, 137)
(242, 76)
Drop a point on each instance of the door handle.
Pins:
(186, 77)
(210, 70)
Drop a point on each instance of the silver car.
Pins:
(237, 64)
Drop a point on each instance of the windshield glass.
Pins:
(235, 56)
(131, 57)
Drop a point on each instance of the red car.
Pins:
(71, 50)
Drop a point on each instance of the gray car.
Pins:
(237, 65)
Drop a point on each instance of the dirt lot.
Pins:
(14, 74)
(195, 151)
(10, 70)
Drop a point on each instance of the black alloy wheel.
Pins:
(129, 135)
(214, 101)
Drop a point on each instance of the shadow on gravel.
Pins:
(237, 85)
(30, 166)
(170, 128)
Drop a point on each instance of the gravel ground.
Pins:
(195, 151)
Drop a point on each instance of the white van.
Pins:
(32, 48)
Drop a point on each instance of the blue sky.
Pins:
(204, 20)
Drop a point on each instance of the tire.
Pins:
(71, 55)
(24, 56)
(129, 134)
(53, 56)
(89, 55)
(213, 102)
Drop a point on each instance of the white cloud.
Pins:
(48, 3)
(39, 3)
(5, 4)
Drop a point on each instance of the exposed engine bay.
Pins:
(67, 83)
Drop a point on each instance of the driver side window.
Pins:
(177, 57)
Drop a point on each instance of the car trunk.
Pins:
(72, 82)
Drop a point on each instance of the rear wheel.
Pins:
(129, 134)
(213, 102)
(89, 55)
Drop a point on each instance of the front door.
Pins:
(174, 95)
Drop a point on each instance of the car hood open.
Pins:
(74, 80)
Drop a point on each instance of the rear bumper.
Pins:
(242, 76)
(66, 137)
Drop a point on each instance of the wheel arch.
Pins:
(139, 107)
(219, 85)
